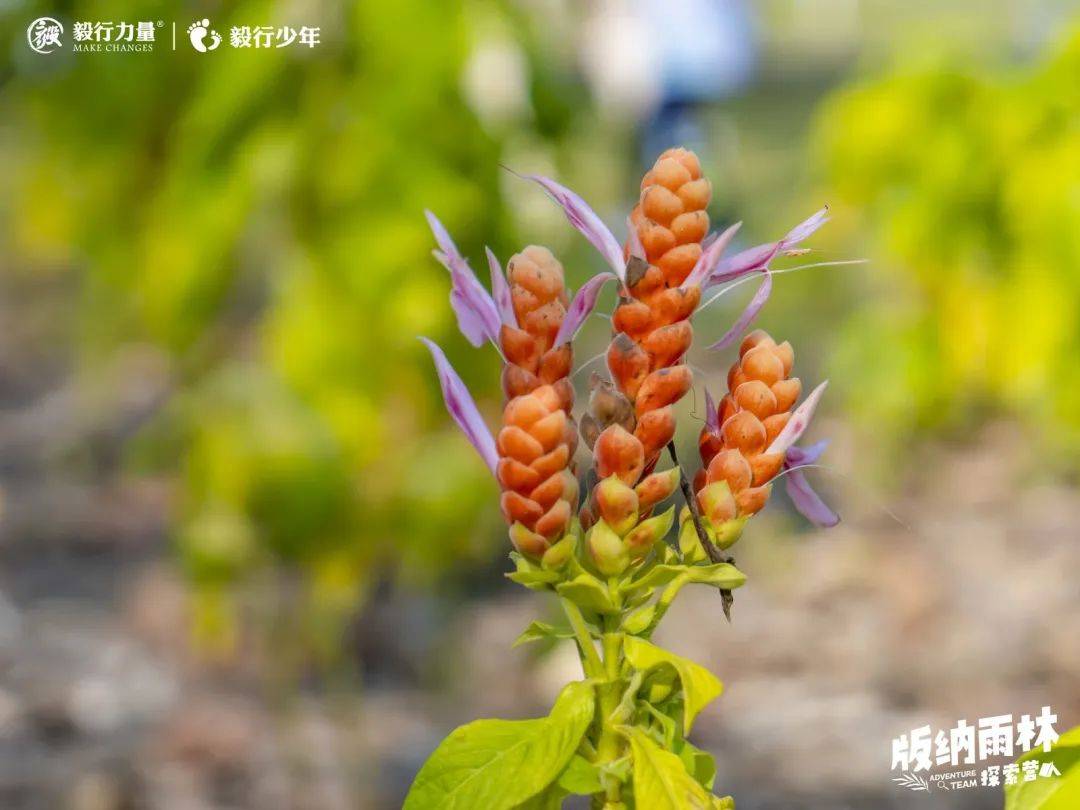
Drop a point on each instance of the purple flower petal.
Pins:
(713, 246)
(748, 314)
(633, 238)
(805, 229)
(712, 415)
(500, 290)
(581, 307)
(808, 502)
(798, 456)
(478, 317)
(462, 408)
(471, 325)
(798, 422)
(757, 258)
(587, 221)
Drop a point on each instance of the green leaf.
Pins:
(619, 769)
(639, 621)
(530, 575)
(587, 592)
(699, 686)
(661, 781)
(722, 575)
(1050, 792)
(581, 777)
(700, 764)
(542, 630)
(501, 763)
(689, 542)
(550, 799)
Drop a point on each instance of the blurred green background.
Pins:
(224, 451)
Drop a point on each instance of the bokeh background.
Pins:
(247, 562)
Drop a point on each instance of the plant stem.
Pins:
(590, 660)
(609, 746)
(664, 602)
(691, 504)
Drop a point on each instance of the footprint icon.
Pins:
(197, 33)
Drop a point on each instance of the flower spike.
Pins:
(651, 323)
(739, 463)
(462, 408)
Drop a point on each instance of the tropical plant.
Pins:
(620, 735)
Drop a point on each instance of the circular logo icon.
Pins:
(44, 35)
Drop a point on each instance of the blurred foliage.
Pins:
(965, 181)
(257, 216)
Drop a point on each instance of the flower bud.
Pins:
(728, 534)
(663, 387)
(620, 453)
(528, 542)
(559, 554)
(629, 364)
(617, 504)
(751, 501)
(645, 535)
(607, 550)
(717, 502)
(656, 487)
(655, 429)
(689, 542)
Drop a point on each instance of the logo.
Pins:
(104, 36)
(956, 758)
(203, 37)
(44, 35)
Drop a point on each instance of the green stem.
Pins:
(609, 746)
(590, 661)
(664, 602)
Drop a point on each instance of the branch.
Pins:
(691, 503)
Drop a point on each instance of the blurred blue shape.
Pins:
(707, 51)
